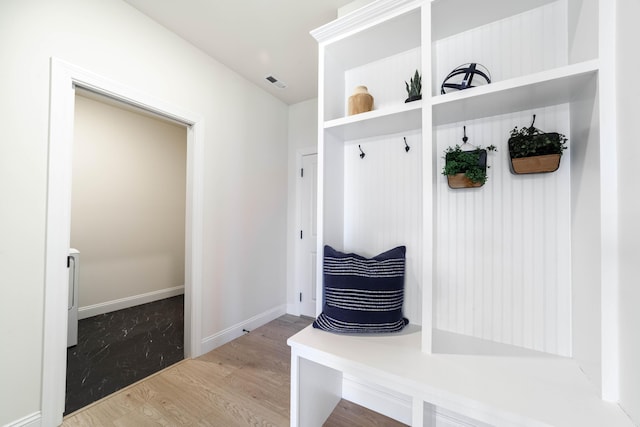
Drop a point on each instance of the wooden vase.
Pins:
(536, 164)
(361, 101)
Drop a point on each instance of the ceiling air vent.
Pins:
(274, 81)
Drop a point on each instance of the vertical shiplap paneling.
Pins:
(382, 200)
(510, 47)
(384, 78)
(502, 258)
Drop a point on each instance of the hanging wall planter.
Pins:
(460, 180)
(466, 165)
(534, 151)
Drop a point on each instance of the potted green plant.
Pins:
(414, 91)
(466, 168)
(534, 151)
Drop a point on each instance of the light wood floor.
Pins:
(243, 383)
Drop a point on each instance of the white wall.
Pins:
(245, 151)
(128, 202)
(629, 206)
(503, 260)
(303, 135)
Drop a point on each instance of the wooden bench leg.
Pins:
(315, 392)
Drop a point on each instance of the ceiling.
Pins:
(255, 38)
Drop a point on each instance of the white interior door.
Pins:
(308, 236)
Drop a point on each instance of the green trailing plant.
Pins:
(414, 90)
(529, 141)
(472, 163)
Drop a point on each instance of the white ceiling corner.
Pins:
(255, 38)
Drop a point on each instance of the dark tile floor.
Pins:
(119, 348)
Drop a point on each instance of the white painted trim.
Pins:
(609, 274)
(297, 262)
(367, 16)
(397, 405)
(448, 418)
(382, 400)
(132, 301)
(216, 340)
(429, 154)
(33, 420)
(293, 309)
(64, 78)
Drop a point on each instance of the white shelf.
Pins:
(403, 117)
(542, 89)
(551, 87)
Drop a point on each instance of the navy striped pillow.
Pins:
(363, 295)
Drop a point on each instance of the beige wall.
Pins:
(245, 168)
(128, 202)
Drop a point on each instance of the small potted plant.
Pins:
(414, 91)
(534, 151)
(466, 168)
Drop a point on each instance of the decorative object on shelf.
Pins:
(463, 77)
(406, 146)
(534, 151)
(361, 101)
(414, 92)
(466, 165)
(363, 295)
(361, 152)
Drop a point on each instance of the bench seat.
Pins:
(514, 387)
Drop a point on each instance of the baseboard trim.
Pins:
(398, 406)
(216, 340)
(33, 420)
(119, 304)
(445, 418)
(379, 399)
(293, 309)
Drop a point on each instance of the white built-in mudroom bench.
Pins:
(505, 284)
(468, 384)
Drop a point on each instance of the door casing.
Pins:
(65, 77)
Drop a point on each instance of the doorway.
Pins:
(128, 223)
(307, 251)
(65, 78)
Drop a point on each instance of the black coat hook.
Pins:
(361, 152)
(406, 146)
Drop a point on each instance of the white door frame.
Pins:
(297, 274)
(65, 78)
